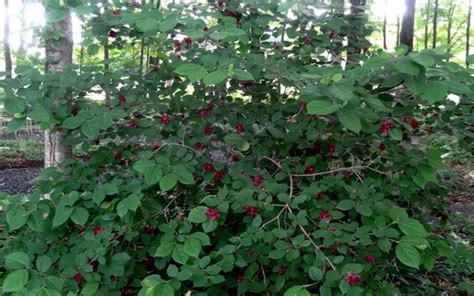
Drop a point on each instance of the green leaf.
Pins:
(342, 92)
(14, 105)
(406, 66)
(184, 176)
(408, 255)
(15, 281)
(163, 290)
(297, 291)
(376, 104)
(411, 227)
(80, 216)
(321, 107)
(61, 216)
(90, 129)
(423, 59)
(192, 247)
(168, 24)
(345, 205)
(238, 141)
(72, 122)
(17, 260)
(470, 59)
(90, 289)
(152, 177)
(164, 249)
(434, 92)
(198, 214)
(427, 173)
(39, 114)
(17, 217)
(55, 15)
(15, 124)
(215, 77)
(83, 9)
(129, 203)
(315, 273)
(242, 75)
(349, 119)
(364, 210)
(43, 263)
(144, 166)
(147, 24)
(168, 182)
(121, 258)
(194, 72)
(396, 134)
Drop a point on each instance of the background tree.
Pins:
(408, 23)
(435, 22)
(468, 32)
(6, 38)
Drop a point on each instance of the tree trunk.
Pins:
(435, 20)
(357, 22)
(58, 55)
(427, 21)
(468, 31)
(6, 39)
(106, 61)
(452, 7)
(408, 23)
(384, 29)
(398, 30)
(22, 46)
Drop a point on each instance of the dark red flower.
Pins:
(155, 146)
(122, 99)
(149, 229)
(112, 34)
(250, 253)
(165, 119)
(281, 271)
(331, 148)
(203, 113)
(320, 195)
(386, 126)
(239, 128)
(97, 141)
(370, 259)
(276, 46)
(234, 157)
(78, 278)
(118, 155)
(212, 214)
(353, 278)
(310, 169)
(211, 106)
(188, 41)
(74, 111)
(324, 215)
(207, 130)
(252, 211)
(177, 45)
(317, 148)
(302, 104)
(257, 181)
(206, 29)
(208, 167)
(412, 122)
(382, 147)
(246, 84)
(308, 40)
(218, 175)
(116, 12)
(333, 250)
(199, 146)
(240, 278)
(133, 123)
(332, 229)
(332, 35)
(97, 230)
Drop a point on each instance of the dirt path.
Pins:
(18, 181)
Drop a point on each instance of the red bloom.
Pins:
(331, 149)
(412, 122)
(310, 169)
(308, 40)
(240, 278)
(77, 278)
(324, 215)
(257, 181)
(188, 41)
(239, 128)
(74, 111)
(116, 12)
(302, 104)
(281, 271)
(199, 146)
(319, 196)
(370, 259)
(252, 211)
(149, 229)
(177, 45)
(133, 123)
(218, 175)
(317, 148)
(382, 147)
(206, 29)
(234, 157)
(97, 230)
(122, 99)
(332, 35)
(203, 113)
(250, 253)
(353, 278)
(386, 126)
(207, 130)
(246, 84)
(155, 146)
(118, 155)
(208, 167)
(212, 214)
(112, 34)
(211, 106)
(165, 119)
(333, 250)
(276, 46)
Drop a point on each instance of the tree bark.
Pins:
(468, 31)
(452, 7)
(398, 30)
(58, 55)
(6, 39)
(22, 46)
(427, 21)
(384, 29)
(408, 24)
(435, 20)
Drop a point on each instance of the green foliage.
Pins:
(272, 182)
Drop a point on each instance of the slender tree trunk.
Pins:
(106, 61)
(427, 22)
(384, 29)
(468, 31)
(6, 39)
(22, 46)
(398, 30)
(58, 55)
(452, 7)
(408, 24)
(81, 54)
(435, 21)
(142, 48)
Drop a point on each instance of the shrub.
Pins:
(260, 168)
